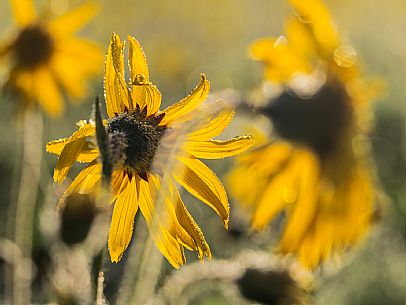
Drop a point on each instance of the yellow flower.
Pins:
(46, 56)
(316, 168)
(135, 147)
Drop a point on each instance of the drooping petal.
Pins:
(201, 182)
(85, 182)
(136, 59)
(122, 220)
(115, 89)
(159, 230)
(23, 11)
(88, 152)
(66, 159)
(215, 149)
(73, 20)
(191, 227)
(213, 127)
(181, 109)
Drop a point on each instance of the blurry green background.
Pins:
(184, 38)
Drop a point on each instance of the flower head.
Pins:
(134, 147)
(315, 168)
(45, 56)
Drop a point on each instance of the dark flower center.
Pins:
(33, 47)
(319, 122)
(134, 139)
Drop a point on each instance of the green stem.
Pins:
(26, 204)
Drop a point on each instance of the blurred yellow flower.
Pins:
(45, 55)
(134, 149)
(317, 170)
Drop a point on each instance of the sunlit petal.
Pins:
(122, 220)
(181, 109)
(215, 149)
(202, 183)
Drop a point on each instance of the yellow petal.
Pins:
(137, 60)
(201, 182)
(181, 109)
(81, 51)
(279, 193)
(261, 48)
(192, 228)
(66, 159)
(159, 230)
(23, 11)
(213, 127)
(66, 71)
(146, 94)
(305, 208)
(122, 220)
(48, 93)
(115, 89)
(85, 182)
(73, 20)
(214, 149)
(87, 154)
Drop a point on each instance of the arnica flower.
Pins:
(45, 56)
(315, 168)
(134, 150)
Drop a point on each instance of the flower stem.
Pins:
(26, 203)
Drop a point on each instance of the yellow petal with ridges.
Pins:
(74, 19)
(159, 231)
(180, 110)
(122, 220)
(87, 154)
(202, 182)
(23, 11)
(215, 149)
(213, 127)
(115, 92)
(136, 59)
(192, 228)
(146, 94)
(85, 181)
(66, 159)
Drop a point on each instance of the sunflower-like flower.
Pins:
(45, 55)
(134, 149)
(316, 167)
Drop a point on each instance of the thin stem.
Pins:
(26, 203)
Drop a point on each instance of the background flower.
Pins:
(316, 169)
(45, 55)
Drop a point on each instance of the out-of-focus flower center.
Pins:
(319, 122)
(33, 47)
(134, 139)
